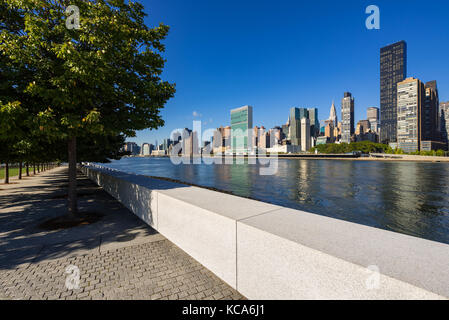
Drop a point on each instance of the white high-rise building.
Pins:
(146, 150)
(444, 117)
(409, 101)
(347, 117)
(305, 134)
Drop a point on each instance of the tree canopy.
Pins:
(363, 146)
(98, 82)
(101, 78)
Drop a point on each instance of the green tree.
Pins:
(12, 119)
(440, 153)
(363, 146)
(101, 79)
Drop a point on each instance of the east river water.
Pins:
(407, 197)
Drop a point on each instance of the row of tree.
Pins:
(368, 147)
(75, 94)
(363, 146)
(27, 167)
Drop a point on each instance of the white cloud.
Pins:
(196, 114)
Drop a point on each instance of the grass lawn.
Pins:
(13, 172)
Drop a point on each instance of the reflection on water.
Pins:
(407, 197)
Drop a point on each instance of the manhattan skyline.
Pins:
(275, 56)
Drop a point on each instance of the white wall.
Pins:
(270, 252)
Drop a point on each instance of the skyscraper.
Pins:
(329, 129)
(393, 69)
(255, 137)
(264, 140)
(418, 116)
(429, 115)
(295, 126)
(286, 130)
(303, 113)
(430, 122)
(241, 124)
(362, 127)
(305, 134)
(314, 122)
(296, 114)
(372, 115)
(444, 114)
(333, 115)
(191, 145)
(132, 147)
(261, 141)
(166, 144)
(219, 141)
(277, 133)
(410, 100)
(146, 149)
(186, 141)
(227, 137)
(347, 117)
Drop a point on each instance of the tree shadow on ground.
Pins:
(24, 208)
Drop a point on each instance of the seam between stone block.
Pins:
(259, 214)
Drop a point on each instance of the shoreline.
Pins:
(393, 158)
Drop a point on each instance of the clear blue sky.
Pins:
(277, 54)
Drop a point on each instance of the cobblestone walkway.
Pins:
(118, 257)
(154, 270)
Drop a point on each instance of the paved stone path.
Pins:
(118, 257)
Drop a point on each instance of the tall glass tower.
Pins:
(241, 124)
(296, 114)
(393, 69)
(314, 122)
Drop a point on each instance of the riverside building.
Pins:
(393, 69)
(314, 122)
(347, 117)
(241, 125)
(295, 125)
(372, 115)
(444, 117)
(430, 119)
(410, 100)
(305, 134)
(333, 115)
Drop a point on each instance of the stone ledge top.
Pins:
(420, 262)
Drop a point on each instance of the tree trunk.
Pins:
(20, 170)
(34, 169)
(28, 169)
(73, 207)
(6, 173)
